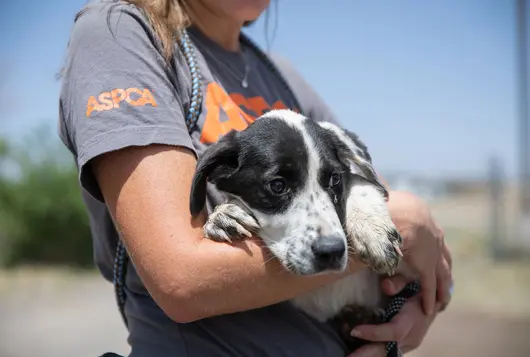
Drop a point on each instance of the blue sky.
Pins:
(429, 85)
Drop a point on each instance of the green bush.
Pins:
(42, 216)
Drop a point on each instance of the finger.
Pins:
(394, 284)
(447, 255)
(395, 330)
(444, 247)
(444, 281)
(419, 330)
(428, 291)
(438, 307)
(371, 350)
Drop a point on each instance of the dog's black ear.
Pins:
(357, 154)
(217, 162)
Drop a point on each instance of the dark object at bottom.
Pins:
(352, 316)
(110, 354)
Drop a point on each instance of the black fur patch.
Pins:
(268, 149)
(352, 316)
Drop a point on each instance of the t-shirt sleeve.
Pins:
(313, 106)
(118, 90)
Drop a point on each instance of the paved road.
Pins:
(35, 323)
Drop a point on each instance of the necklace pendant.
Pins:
(244, 81)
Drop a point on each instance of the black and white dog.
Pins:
(310, 192)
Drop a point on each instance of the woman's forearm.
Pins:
(212, 278)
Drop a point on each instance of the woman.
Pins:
(125, 95)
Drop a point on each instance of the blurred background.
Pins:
(438, 90)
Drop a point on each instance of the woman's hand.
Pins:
(427, 254)
(424, 248)
(408, 328)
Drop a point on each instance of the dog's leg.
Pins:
(229, 221)
(352, 316)
(372, 235)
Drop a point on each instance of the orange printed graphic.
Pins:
(109, 100)
(216, 99)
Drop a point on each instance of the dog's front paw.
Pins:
(229, 221)
(381, 252)
(371, 233)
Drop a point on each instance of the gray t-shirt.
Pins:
(118, 92)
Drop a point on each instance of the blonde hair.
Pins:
(168, 18)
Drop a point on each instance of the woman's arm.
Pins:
(147, 192)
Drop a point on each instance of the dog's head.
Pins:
(291, 174)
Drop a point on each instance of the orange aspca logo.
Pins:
(217, 100)
(109, 100)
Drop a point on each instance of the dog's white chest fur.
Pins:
(361, 288)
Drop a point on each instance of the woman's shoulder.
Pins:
(106, 8)
(116, 18)
(312, 104)
(288, 71)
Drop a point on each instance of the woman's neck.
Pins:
(224, 31)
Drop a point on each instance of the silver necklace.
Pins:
(244, 81)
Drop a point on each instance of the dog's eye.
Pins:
(278, 186)
(334, 179)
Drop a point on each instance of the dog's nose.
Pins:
(329, 251)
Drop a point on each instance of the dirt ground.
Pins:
(459, 333)
(56, 313)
